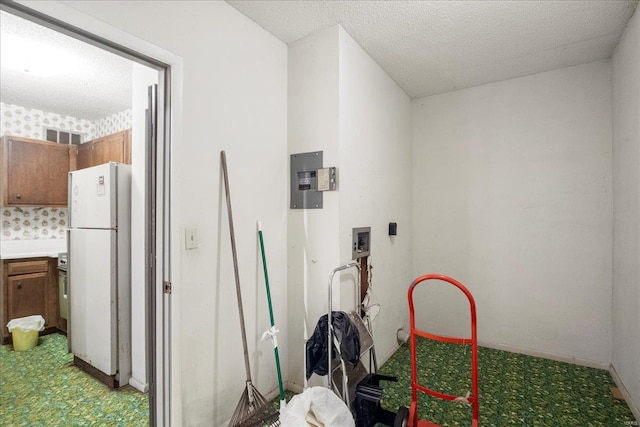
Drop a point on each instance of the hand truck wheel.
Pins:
(402, 417)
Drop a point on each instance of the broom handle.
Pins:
(273, 323)
(235, 266)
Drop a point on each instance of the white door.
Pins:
(93, 297)
(92, 196)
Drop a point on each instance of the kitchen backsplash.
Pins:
(29, 123)
(25, 223)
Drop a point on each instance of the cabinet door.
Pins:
(83, 159)
(127, 146)
(27, 295)
(111, 148)
(115, 147)
(99, 155)
(36, 172)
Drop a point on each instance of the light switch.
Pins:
(191, 238)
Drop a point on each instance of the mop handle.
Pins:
(235, 266)
(266, 274)
(266, 281)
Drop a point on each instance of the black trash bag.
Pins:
(347, 335)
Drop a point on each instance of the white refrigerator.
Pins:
(99, 271)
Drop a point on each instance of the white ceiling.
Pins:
(427, 47)
(90, 83)
(430, 47)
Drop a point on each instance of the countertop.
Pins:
(14, 249)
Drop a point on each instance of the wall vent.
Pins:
(62, 136)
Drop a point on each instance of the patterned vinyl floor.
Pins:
(514, 389)
(41, 387)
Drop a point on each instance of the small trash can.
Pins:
(24, 331)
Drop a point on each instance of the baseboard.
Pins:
(296, 388)
(272, 394)
(551, 356)
(388, 355)
(143, 387)
(627, 397)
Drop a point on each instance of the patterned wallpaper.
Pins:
(112, 124)
(16, 120)
(28, 222)
(24, 223)
(29, 122)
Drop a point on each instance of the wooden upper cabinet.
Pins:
(111, 148)
(83, 156)
(126, 147)
(100, 152)
(35, 172)
(114, 147)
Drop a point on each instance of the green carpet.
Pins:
(41, 387)
(515, 390)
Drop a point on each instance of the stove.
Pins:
(63, 296)
(62, 261)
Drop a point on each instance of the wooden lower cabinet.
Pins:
(29, 287)
(27, 295)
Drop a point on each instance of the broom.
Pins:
(252, 409)
(272, 331)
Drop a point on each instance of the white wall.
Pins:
(512, 196)
(375, 182)
(141, 77)
(231, 95)
(313, 243)
(626, 224)
(341, 102)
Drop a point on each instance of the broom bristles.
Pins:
(253, 412)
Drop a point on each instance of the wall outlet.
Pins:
(191, 238)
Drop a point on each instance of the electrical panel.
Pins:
(309, 180)
(304, 180)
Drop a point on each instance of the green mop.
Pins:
(272, 331)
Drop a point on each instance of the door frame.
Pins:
(163, 395)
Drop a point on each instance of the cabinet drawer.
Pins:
(24, 267)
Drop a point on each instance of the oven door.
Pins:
(63, 296)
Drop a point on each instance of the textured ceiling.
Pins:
(431, 47)
(427, 47)
(91, 83)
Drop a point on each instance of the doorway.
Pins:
(151, 300)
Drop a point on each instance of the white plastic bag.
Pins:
(316, 406)
(29, 323)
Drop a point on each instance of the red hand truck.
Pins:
(415, 387)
